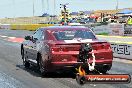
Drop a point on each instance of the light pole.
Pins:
(33, 8)
(54, 6)
(117, 4)
(47, 6)
(42, 6)
(13, 2)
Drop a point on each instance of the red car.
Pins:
(57, 49)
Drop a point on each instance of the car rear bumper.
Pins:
(60, 66)
(60, 63)
(68, 60)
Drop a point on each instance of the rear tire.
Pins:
(104, 69)
(25, 62)
(41, 67)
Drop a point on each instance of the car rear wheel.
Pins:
(102, 71)
(105, 68)
(41, 67)
(25, 62)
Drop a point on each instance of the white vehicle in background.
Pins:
(75, 24)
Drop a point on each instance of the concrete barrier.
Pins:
(4, 26)
(122, 50)
(31, 27)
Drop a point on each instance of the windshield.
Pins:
(73, 34)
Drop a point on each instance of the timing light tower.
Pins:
(64, 12)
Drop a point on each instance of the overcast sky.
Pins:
(24, 8)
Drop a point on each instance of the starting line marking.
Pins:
(12, 37)
(4, 36)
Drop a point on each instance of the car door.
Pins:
(36, 43)
(45, 48)
(27, 47)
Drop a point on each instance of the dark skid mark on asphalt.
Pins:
(35, 72)
(60, 77)
(32, 70)
(64, 74)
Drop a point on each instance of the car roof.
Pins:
(63, 27)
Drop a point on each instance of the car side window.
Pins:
(38, 34)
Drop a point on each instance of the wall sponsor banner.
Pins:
(122, 50)
(128, 30)
(31, 27)
(101, 29)
(116, 29)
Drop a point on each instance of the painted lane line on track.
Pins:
(120, 42)
(122, 61)
(11, 37)
(128, 62)
(18, 40)
(114, 36)
(4, 36)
